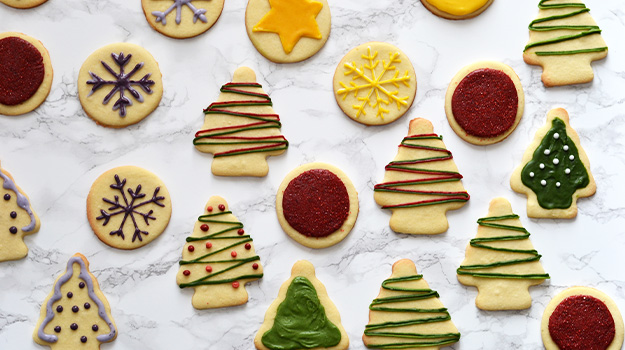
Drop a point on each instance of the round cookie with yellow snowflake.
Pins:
(182, 19)
(456, 9)
(119, 85)
(375, 83)
(128, 207)
(286, 31)
(23, 4)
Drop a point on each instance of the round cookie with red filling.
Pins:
(317, 205)
(582, 318)
(484, 102)
(456, 9)
(25, 73)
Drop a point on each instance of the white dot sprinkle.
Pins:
(531, 174)
(566, 147)
(571, 157)
(541, 165)
(556, 161)
(556, 136)
(543, 182)
(547, 152)
(567, 171)
(557, 184)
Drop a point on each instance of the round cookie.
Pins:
(25, 73)
(119, 85)
(23, 4)
(317, 205)
(456, 9)
(484, 102)
(286, 31)
(182, 19)
(375, 83)
(582, 318)
(128, 207)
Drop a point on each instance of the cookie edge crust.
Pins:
(14, 4)
(334, 237)
(446, 15)
(455, 81)
(548, 342)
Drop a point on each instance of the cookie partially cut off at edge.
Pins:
(580, 316)
(191, 23)
(456, 9)
(484, 102)
(23, 4)
(29, 71)
(317, 205)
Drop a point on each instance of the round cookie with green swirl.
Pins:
(302, 316)
(555, 170)
(456, 9)
(484, 102)
(317, 205)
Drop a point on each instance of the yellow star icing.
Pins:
(291, 20)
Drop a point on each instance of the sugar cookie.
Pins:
(456, 9)
(23, 4)
(182, 18)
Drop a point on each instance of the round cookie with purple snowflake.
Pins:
(182, 19)
(119, 85)
(128, 207)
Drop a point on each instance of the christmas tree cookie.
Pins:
(218, 259)
(564, 40)
(182, 18)
(501, 261)
(555, 170)
(241, 129)
(17, 219)
(375, 83)
(286, 31)
(302, 317)
(407, 314)
(76, 315)
(421, 184)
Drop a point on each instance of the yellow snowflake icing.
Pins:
(375, 82)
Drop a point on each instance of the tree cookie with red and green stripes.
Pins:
(241, 129)
(421, 184)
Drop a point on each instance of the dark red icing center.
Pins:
(316, 203)
(581, 322)
(21, 70)
(485, 103)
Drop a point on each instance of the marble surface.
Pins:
(56, 152)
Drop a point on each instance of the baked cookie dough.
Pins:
(25, 73)
(302, 316)
(218, 259)
(582, 318)
(17, 219)
(555, 170)
(128, 207)
(286, 31)
(484, 102)
(456, 9)
(564, 40)
(182, 19)
(502, 277)
(23, 4)
(119, 85)
(76, 315)
(317, 205)
(421, 184)
(375, 83)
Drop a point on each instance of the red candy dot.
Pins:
(209, 245)
(255, 266)
(222, 207)
(209, 268)
(241, 231)
(186, 272)
(209, 209)
(191, 248)
(204, 227)
(235, 284)
(233, 254)
(248, 246)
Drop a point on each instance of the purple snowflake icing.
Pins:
(197, 13)
(121, 83)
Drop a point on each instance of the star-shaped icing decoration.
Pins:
(291, 20)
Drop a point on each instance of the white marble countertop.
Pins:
(56, 152)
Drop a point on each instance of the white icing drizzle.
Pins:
(22, 201)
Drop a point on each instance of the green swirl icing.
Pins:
(301, 321)
(556, 162)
